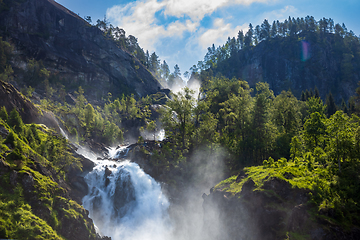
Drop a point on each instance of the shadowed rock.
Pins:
(78, 52)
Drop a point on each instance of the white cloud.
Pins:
(198, 9)
(145, 20)
(280, 14)
(219, 33)
(177, 28)
(139, 18)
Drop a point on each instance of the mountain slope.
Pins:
(328, 61)
(74, 51)
(40, 183)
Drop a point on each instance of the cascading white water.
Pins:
(126, 203)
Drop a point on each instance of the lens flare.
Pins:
(305, 51)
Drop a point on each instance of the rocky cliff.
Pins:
(74, 51)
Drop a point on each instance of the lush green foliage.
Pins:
(254, 126)
(23, 151)
(6, 49)
(106, 124)
(17, 219)
(320, 153)
(335, 194)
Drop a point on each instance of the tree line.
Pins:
(291, 27)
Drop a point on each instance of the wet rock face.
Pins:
(11, 98)
(124, 195)
(4, 167)
(122, 198)
(13, 178)
(107, 174)
(67, 44)
(27, 182)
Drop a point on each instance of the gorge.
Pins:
(92, 146)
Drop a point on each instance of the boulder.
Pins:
(124, 194)
(4, 167)
(13, 178)
(27, 182)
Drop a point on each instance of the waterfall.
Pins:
(125, 203)
(63, 133)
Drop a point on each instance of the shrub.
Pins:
(15, 121)
(3, 114)
(10, 139)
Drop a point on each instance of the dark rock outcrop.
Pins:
(11, 98)
(266, 214)
(77, 52)
(124, 195)
(4, 167)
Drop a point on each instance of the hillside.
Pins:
(298, 54)
(41, 187)
(74, 52)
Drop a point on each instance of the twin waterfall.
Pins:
(125, 203)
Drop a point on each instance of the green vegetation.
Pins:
(6, 49)
(312, 149)
(334, 195)
(105, 124)
(301, 44)
(32, 203)
(18, 220)
(325, 160)
(291, 28)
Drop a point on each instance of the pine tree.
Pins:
(344, 107)
(89, 115)
(165, 71)
(154, 63)
(265, 30)
(330, 105)
(249, 36)
(274, 30)
(261, 124)
(3, 113)
(317, 94)
(15, 121)
(240, 39)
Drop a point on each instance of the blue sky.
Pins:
(180, 31)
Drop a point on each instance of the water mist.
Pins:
(126, 203)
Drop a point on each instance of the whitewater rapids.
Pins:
(125, 203)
